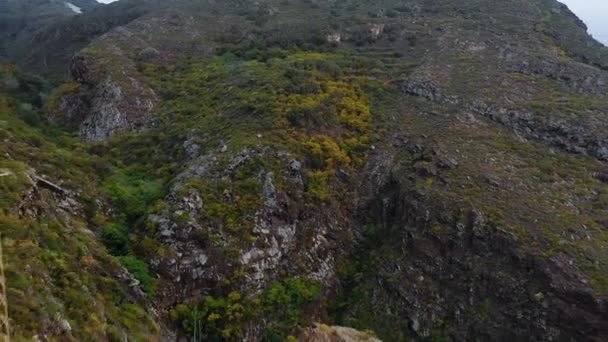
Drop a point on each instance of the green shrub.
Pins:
(289, 297)
(224, 318)
(132, 194)
(115, 237)
(140, 271)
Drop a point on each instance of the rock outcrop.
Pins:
(554, 131)
(106, 103)
(285, 240)
(325, 333)
(115, 100)
(115, 109)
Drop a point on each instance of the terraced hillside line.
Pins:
(4, 327)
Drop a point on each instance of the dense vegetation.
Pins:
(322, 114)
(216, 319)
(315, 105)
(56, 270)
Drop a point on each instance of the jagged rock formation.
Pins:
(285, 237)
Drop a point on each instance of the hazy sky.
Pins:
(593, 12)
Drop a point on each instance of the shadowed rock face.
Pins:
(461, 266)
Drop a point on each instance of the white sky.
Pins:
(593, 12)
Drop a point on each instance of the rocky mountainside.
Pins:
(42, 35)
(293, 169)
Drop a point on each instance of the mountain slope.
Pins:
(20, 19)
(421, 169)
(62, 283)
(41, 36)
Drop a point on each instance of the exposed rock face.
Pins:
(572, 137)
(334, 38)
(428, 90)
(325, 333)
(79, 70)
(108, 103)
(115, 100)
(441, 257)
(569, 136)
(112, 111)
(576, 76)
(73, 108)
(286, 238)
(375, 30)
(34, 206)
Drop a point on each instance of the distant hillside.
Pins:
(41, 35)
(20, 20)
